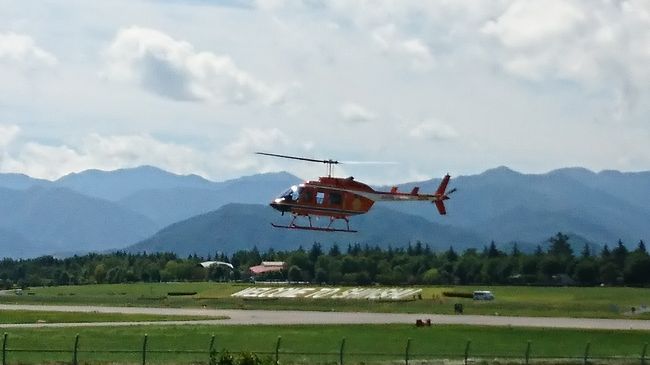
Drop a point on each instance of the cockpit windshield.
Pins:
(291, 194)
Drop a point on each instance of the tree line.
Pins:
(554, 263)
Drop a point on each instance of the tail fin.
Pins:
(440, 193)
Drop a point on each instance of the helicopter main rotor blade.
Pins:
(331, 162)
(368, 162)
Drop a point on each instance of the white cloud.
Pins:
(584, 63)
(8, 133)
(22, 50)
(591, 43)
(433, 130)
(239, 155)
(173, 69)
(413, 48)
(102, 152)
(355, 113)
(533, 22)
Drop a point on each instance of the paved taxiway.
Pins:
(266, 317)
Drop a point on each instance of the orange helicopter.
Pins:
(340, 198)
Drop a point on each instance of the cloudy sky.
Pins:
(196, 86)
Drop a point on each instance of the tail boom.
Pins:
(437, 198)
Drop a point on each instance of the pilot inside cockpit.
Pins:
(291, 194)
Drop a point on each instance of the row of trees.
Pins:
(554, 264)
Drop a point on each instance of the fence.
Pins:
(339, 356)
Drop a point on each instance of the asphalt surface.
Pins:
(266, 317)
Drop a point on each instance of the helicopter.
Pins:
(339, 198)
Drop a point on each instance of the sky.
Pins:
(197, 86)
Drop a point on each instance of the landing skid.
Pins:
(307, 228)
(311, 227)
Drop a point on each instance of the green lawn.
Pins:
(314, 344)
(603, 302)
(20, 316)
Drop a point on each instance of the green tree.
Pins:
(560, 246)
(586, 272)
(320, 276)
(551, 266)
(431, 276)
(619, 255)
(493, 252)
(637, 270)
(641, 248)
(609, 273)
(100, 273)
(295, 274)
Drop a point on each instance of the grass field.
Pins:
(20, 316)
(601, 302)
(313, 344)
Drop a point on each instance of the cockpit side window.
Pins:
(291, 194)
(286, 194)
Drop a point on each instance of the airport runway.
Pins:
(266, 317)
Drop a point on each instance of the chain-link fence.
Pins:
(143, 353)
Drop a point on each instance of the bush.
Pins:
(243, 358)
(223, 358)
(248, 358)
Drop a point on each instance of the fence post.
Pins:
(144, 350)
(341, 351)
(586, 358)
(212, 343)
(643, 352)
(211, 350)
(527, 352)
(467, 350)
(76, 347)
(277, 350)
(4, 349)
(408, 349)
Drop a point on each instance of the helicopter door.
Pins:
(335, 199)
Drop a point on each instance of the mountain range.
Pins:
(149, 209)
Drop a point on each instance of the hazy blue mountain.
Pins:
(166, 206)
(13, 244)
(633, 187)
(59, 219)
(239, 226)
(20, 181)
(117, 184)
(94, 210)
(505, 205)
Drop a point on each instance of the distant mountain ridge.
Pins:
(97, 210)
(43, 220)
(507, 206)
(244, 226)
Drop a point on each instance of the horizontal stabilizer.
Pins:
(441, 207)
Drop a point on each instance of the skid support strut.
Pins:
(311, 227)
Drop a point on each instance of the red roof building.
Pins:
(267, 267)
